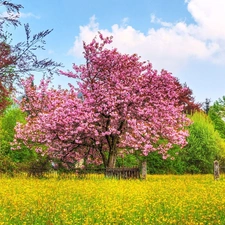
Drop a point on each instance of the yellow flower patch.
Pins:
(160, 199)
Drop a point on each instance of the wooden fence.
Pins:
(118, 173)
(124, 173)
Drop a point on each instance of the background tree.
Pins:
(217, 115)
(206, 105)
(186, 99)
(20, 59)
(204, 145)
(12, 16)
(126, 106)
(6, 81)
(174, 164)
(8, 121)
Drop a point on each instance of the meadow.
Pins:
(160, 199)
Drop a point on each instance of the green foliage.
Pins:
(172, 165)
(6, 165)
(39, 166)
(204, 145)
(7, 123)
(129, 160)
(155, 163)
(216, 114)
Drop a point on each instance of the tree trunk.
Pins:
(112, 159)
(104, 159)
(112, 143)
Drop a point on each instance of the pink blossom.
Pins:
(123, 103)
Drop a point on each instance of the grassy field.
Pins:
(160, 199)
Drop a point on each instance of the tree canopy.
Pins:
(122, 105)
(217, 114)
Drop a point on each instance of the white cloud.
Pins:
(154, 19)
(125, 21)
(172, 45)
(19, 15)
(26, 15)
(210, 18)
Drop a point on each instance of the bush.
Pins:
(204, 145)
(172, 165)
(6, 165)
(38, 167)
(7, 123)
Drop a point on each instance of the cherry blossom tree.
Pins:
(64, 136)
(121, 105)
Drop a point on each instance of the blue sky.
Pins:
(185, 37)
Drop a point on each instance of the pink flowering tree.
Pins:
(55, 125)
(124, 106)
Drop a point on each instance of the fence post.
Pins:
(144, 169)
(216, 170)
